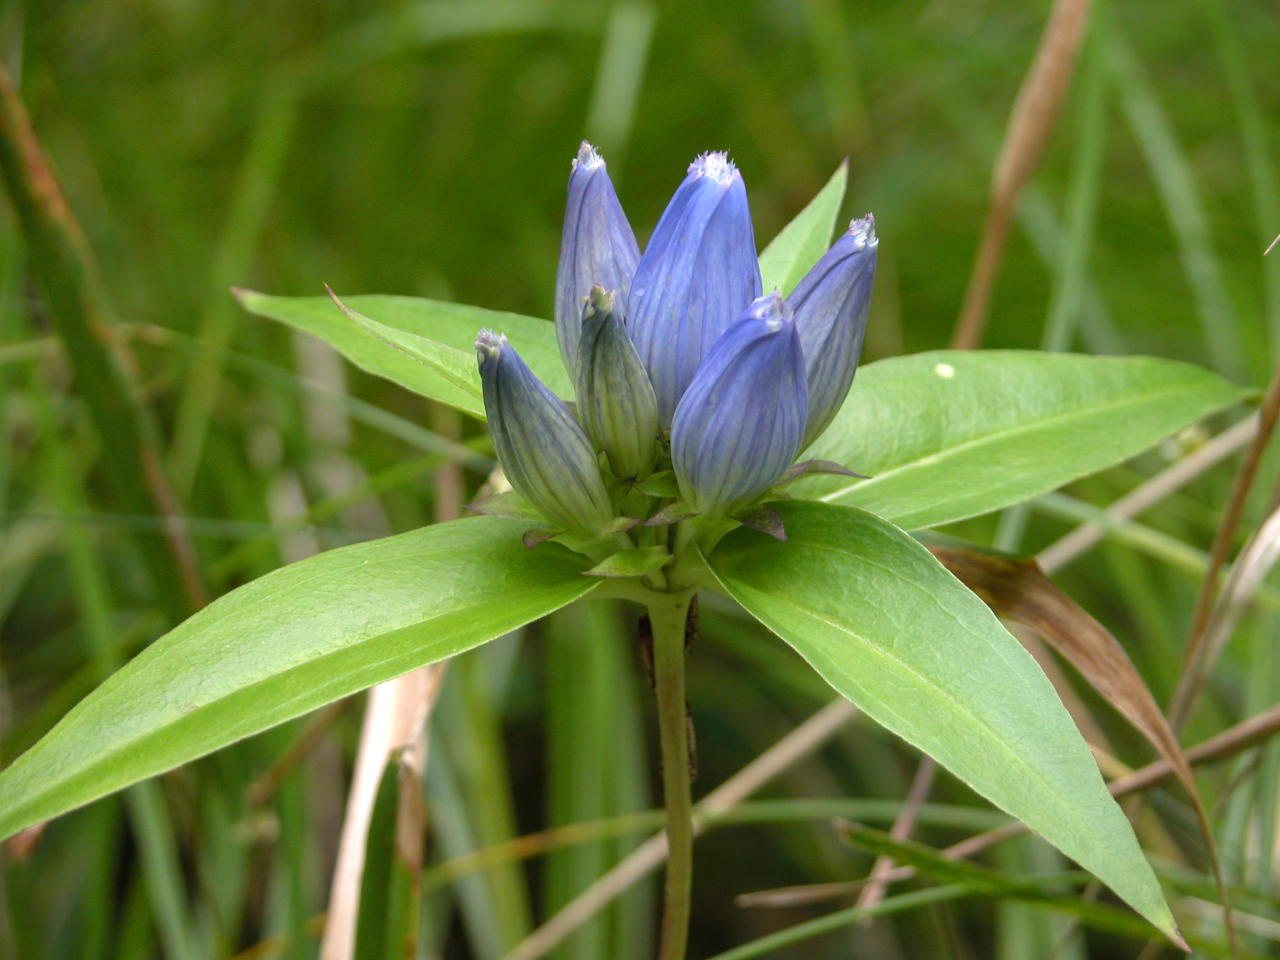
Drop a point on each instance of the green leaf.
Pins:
(289, 642)
(801, 242)
(398, 352)
(889, 628)
(954, 434)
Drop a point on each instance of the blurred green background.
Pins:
(423, 148)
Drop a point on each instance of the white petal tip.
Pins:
(588, 157)
(863, 231)
(714, 165)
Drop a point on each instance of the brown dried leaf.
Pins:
(1016, 589)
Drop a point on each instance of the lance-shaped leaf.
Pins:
(616, 404)
(597, 246)
(739, 425)
(954, 434)
(289, 642)
(889, 628)
(697, 275)
(449, 329)
(1017, 590)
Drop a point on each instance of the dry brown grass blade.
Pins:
(902, 828)
(1016, 589)
(1031, 123)
(393, 724)
(1247, 574)
(1193, 659)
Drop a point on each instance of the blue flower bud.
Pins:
(597, 246)
(697, 275)
(543, 451)
(831, 304)
(740, 423)
(616, 405)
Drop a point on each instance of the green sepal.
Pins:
(539, 535)
(662, 485)
(673, 512)
(765, 518)
(636, 562)
(618, 525)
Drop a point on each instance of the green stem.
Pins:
(668, 614)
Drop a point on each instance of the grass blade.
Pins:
(62, 260)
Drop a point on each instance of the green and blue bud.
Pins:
(542, 449)
(616, 404)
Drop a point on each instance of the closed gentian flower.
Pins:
(596, 246)
(616, 405)
(830, 306)
(676, 359)
(697, 275)
(739, 425)
(543, 451)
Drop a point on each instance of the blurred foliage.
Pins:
(422, 148)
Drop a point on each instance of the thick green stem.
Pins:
(668, 614)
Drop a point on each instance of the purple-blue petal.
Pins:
(597, 246)
(698, 273)
(739, 425)
(830, 306)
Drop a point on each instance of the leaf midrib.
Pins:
(133, 743)
(888, 656)
(1036, 774)
(987, 438)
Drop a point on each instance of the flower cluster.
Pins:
(680, 366)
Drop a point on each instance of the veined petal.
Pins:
(596, 246)
(697, 275)
(616, 404)
(543, 451)
(739, 425)
(830, 305)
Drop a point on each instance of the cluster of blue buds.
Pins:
(689, 383)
